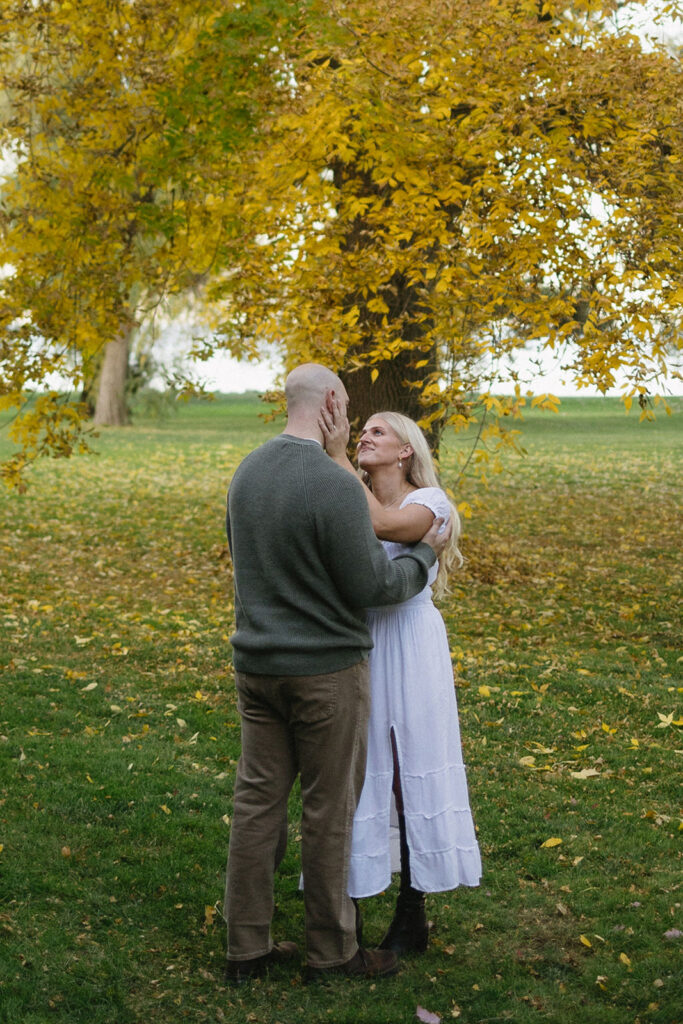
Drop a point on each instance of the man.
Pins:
(306, 563)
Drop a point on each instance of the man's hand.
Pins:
(438, 541)
(335, 428)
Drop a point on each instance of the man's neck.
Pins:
(307, 430)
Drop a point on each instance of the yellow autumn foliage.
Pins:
(432, 187)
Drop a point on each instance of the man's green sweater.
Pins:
(307, 562)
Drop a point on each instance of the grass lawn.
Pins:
(119, 737)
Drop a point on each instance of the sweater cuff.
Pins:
(425, 553)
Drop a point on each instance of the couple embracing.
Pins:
(344, 678)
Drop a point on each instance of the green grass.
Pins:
(119, 736)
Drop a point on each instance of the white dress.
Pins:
(412, 689)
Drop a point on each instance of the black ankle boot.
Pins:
(409, 930)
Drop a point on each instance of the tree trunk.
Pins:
(390, 392)
(111, 409)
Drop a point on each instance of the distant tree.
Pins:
(120, 118)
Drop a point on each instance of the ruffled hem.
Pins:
(432, 872)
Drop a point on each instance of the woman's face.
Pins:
(378, 445)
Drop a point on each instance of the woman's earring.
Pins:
(400, 464)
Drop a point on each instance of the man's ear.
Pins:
(330, 396)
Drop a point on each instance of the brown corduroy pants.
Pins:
(314, 726)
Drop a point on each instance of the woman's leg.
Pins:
(408, 931)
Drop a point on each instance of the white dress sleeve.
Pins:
(432, 498)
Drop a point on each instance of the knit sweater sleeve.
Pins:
(355, 559)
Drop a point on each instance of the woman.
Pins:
(414, 749)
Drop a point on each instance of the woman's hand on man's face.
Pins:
(334, 424)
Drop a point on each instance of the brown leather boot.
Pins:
(365, 963)
(238, 972)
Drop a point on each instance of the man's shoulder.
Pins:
(265, 451)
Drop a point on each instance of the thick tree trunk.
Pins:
(110, 409)
(390, 392)
(399, 384)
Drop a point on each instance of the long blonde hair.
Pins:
(421, 472)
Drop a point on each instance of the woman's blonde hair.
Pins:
(420, 471)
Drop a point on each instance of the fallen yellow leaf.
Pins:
(553, 841)
(540, 749)
(585, 941)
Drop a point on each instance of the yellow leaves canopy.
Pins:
(451, 181)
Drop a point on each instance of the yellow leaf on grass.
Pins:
(624, 959)
(585, 941)
(585, 773)
(484, 691)
(165, 809)
(553, 841)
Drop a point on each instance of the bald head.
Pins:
(307, 389)
(308, 384)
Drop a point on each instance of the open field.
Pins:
(119, 737)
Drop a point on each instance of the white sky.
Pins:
(221, 373)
